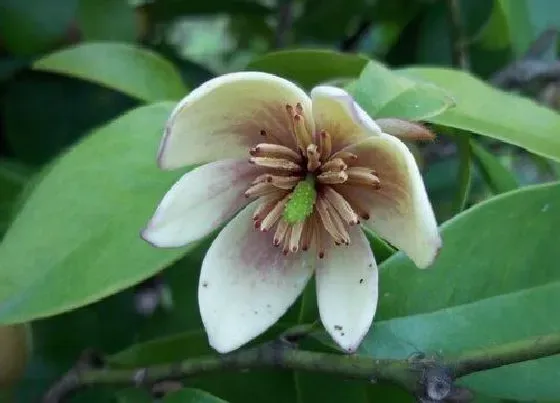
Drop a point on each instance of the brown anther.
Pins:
(362, 178)
(299, 108)
(263, 132)
(345, 155)
(276, 163)
(302, 136)
(274, 215)
(342, 207)
(335, 165)
(364, 169)
(260, 189)
(356, 202)
(262, 179)
(325, 145)
(339, 224)
(307, 235)
(281, 230)
(285, 182)
(313, 158)
(327, 221)
(332, 178)
(268, 203)
(295, 236)
(275, 150)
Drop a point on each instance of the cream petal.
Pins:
(224, 117)
(247, 284)
(347, 290)
(336, 112)
(405, 130)
(201, 201)
(400, 210)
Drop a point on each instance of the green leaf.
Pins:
(80, 224)
(383, 93)
(59, 121)
(13, 178)
(310, 67)
(107, 20)
(189, 395)
(464, 174)
(493, 113)
(497, 271)
(134, 71)
(162, 10)
(499, 178)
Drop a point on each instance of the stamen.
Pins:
(274, 150)
(345, 155)
(295, 236)
(281, 230)
(325, 145)
(287, 236)
(326, 219)
(331, 178)
(274, 215)
(285, 182)
(313, 158)
(302, 135)
(260, 189)
(262, 179)
(341, 206)
(307, 236)
(299, 109)
(335, 164)
(363, 169)
(357, 203)
(267, 203)
(363, 178)
(318, 237)
(276, 163)
(338, 223)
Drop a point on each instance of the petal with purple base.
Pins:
(201, 201)
(399, 210)
(224, 118)
(247, 284)
(336, 112)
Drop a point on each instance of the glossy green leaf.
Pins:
(189, 395)
(493, 113)
(13, 177)
(80, 224)
(383, 93)
(499, 178)
(496, 271)
(107, 20)
(132, 70)
(310, 67)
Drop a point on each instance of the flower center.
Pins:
(304, 192)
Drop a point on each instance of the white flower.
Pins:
(305, 172)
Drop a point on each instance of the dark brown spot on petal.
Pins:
(361, 281)
(337, 327)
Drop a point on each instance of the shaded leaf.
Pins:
(382, 93)
(132, 70)
(493, 113)
(310, 67)
(499, 178)
(107, 20)
(189, 395)
(93, 202)
(497, 271)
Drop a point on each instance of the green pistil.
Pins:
(300, 205)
